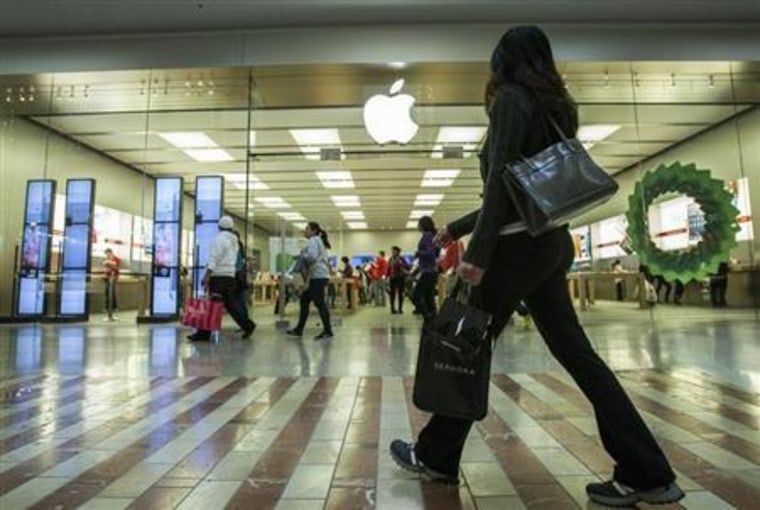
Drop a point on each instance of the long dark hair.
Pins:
(313, 225)
(524, 57)
(426, 224)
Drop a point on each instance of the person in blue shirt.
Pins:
(427, 260)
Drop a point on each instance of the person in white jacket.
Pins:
(219, 279)
(315, 258)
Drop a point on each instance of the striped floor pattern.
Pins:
(315, 442)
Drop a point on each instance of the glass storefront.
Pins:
(291, 145)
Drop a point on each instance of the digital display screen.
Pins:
(76, 247)
(168, 200)
(165, 290)
(166, 244)
(166, 247)
(208, 199)
(77, 243)
(34, 251)
(31, 296)
(39, 198)
(79, 201)
(73, 292)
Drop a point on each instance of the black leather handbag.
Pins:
(454, 360)
(557, 184)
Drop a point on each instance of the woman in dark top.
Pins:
(506, 265)
(397, 270)
(427, 257)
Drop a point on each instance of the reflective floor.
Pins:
(115, 415)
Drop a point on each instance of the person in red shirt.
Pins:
(397, 269)
(112, 265)
(377, 273)
(452, 256)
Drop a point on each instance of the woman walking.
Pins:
(506, 265)
(315, 258)
(427, 257)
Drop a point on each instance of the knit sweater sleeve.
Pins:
(508, 123)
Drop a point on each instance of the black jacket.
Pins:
(517, 128)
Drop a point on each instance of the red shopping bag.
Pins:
(203, 314)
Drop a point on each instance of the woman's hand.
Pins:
(442, 238)
(470, 274)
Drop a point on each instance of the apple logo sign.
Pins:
(388, 119)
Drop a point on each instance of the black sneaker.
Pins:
(615, 494)
(294, 333)
(247, 333)
(403, 454)
(323, 336)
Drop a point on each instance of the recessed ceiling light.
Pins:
(412, 225)
(346, 200)
(301, 225)
(273, 202)
(311, 140)
(589, 135)
(356, 225)
(336, 179)
(252, 138)
(468, 137)
(439, 178)
(291, 216)
(209, 155)
(239, 181)
(417, 214)
(352, 215)
(432, 199)
(188, 139)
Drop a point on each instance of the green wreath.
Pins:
(719, 236)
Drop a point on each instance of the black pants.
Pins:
(660, 282)
(718, 287)
(227, 288)
(424, 294)
(111, 305)
(620, 290)
(534, 269)
(398, 285)
(314, 293)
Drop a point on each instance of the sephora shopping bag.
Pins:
(205, 314)
(454, 361)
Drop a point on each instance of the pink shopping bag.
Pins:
(203, 314)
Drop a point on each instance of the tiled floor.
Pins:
(112, 416)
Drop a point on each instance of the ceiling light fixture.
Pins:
(336, 179)
(439, 178)
(357, 225)
(593, 133)
(352, 215)
(209, 155)
(412, 225)
(346, 200)
(310, 141)
(273, 202)
(417, 214)
(291, 216)
(239, 181)
(468, 137)
(429, 200)
(188, 139)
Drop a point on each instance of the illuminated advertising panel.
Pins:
(77, 247)
(35, 248)
(167, 221)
